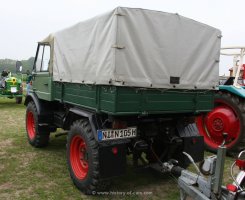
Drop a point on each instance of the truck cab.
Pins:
(42, 73)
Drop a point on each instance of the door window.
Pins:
(43, 58)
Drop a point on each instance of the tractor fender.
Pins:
(238, 91)
(76, 113)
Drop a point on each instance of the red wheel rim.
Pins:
(79, 157)
(223, 118)
(31, 125)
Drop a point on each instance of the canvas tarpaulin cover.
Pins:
(139, 48)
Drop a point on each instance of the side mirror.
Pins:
(18, 67)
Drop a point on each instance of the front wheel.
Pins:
(83, 158)
(228, 116)
(36, 136)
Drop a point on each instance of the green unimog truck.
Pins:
(128, 82)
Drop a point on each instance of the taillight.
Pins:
(231, 187)
(114, 150)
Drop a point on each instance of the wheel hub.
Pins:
(79, 157)
(218, 124)
(83, 157)
(222, 119)
(31, 125)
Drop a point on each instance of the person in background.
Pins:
(4, 75)
(28, 82)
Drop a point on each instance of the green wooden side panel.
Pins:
(78, 94)
(129, 100)
(125, 100)
(107, 98)
(154, 101)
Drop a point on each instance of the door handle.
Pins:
(45, 84)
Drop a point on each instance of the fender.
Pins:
(234, 90)
(33, 97)
(91, 116)
(43, 109)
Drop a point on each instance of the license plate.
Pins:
(13, 89)
(112, 134)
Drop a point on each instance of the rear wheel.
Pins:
(36, 136)
(83, 158)
(228, 116)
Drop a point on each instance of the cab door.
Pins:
(41, 76)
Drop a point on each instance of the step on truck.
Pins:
(128, 82)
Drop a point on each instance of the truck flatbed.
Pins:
(131, 100)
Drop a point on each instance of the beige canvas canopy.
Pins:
(139, 48)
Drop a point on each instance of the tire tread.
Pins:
(93, 183)
(42, 138)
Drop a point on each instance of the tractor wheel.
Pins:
(18, 100)
(36, 136)
(83, 158)
(228, 116)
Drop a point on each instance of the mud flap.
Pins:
(195, 147)
(192, 144)
(112, 160)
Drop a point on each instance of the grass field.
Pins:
(29, 173)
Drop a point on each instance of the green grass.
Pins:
(30, 173)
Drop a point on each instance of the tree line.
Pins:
(10, 64)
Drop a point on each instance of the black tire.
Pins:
(18, 100)
(91, 182)
(36, 136)
(237, 105)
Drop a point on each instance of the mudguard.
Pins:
(33, 97)
(239, 91)
(91, 116)
(44, 111)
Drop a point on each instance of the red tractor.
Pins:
(228, 114)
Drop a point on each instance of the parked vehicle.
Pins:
(11, 87)
(127, 82)
(228, 114)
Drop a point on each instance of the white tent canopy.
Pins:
(139, 48)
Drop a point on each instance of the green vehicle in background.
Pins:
(11, 87)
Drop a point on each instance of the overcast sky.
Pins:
(24, 22)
